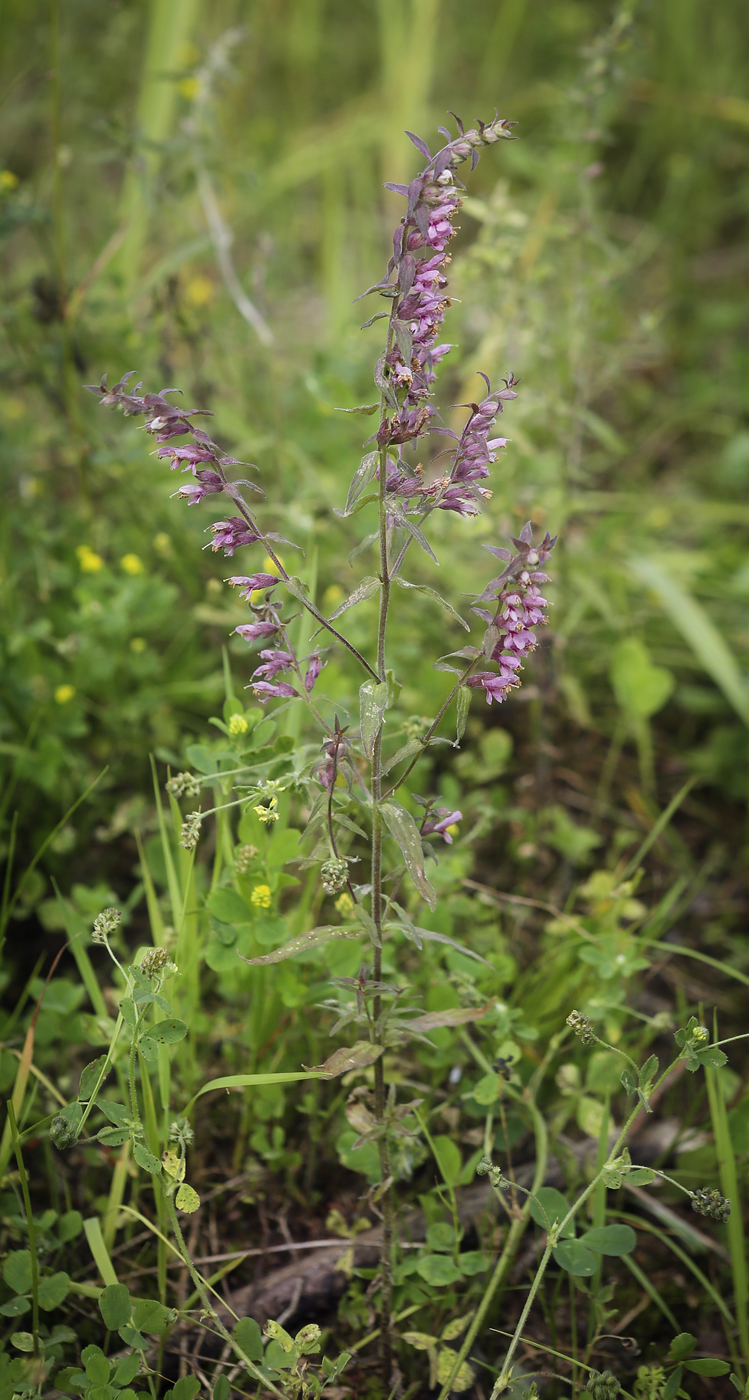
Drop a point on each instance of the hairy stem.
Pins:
(386, 1257)
(207, 1304)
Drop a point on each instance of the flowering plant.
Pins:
(354, 778)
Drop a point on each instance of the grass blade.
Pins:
(729, 1185)
(658, 828)
(698, 630)
(92, 1231)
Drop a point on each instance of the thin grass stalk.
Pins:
(729, 1185)
(171, 24)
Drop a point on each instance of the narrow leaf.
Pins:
(455, 1016)
(463, 708)
(366, 589)
(365, 408)
(300, 944)
(373, 699)
(350, 1057)
(403, 828)
(435, 596)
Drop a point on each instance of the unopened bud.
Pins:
(190, 834)
(105, 924)
(334, 874)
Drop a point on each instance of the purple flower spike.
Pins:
(231, 534)
(250, 583)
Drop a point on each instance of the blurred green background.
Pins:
(195, 191)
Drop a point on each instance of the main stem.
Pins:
(386, 1257)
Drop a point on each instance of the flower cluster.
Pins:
(519, 607)
(243, 858)
(184, 785)
(155, 962)
(334, 874)
(581, 1026)
(190, 833)
(602, 1385)
(708, 1201)
(105, 924)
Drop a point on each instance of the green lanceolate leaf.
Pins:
(90, 1078)
(373, 702)
(404, 830)
(300, 944)
(463, 709)
(146, 1159)
(395, 509)
(350, 1057)
(361, 479)
(454, 1016)
(366, 408)
(435, 596)
(366, 589)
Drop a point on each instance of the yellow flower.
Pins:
(8, 180)
(344, 904)
(199, 290)
(260, 897)
(238, 725)
(137, 644)
(189, 88)
(89, 561)
(162, 543)
(64, 693)
(132, 564)
(269, 814)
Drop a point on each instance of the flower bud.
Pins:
(104, 924)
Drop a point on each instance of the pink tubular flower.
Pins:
(495, 686)
(250, 583)
(279, 691)
(519, 606)
(209, 484)
(314, 667)
(274, 662)
(440, 828)
(231, 534)
(252, 631)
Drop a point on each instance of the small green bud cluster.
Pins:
(181, 1132)
(581, 1026)
(602, 1385)
(243, 858)
(104, 924)
(155, 962)
(61, 1132)
(710, 1202)
(184, 785)
(190, 834)
(498, 1179)
(334, 874)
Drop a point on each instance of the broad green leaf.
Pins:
(146, 1160)
(112, 1137)
(366, 589)
(421, 1341)
(438, 1270)
(167, 1032)
(23, 1341)
(304, 941)
(90, 1078)
(151, 1317)
(229, 907)
(448, 1158)
(640, 687)
(404, 830)
(698, 630)
(641, 1176)
(222, 1388)
(547, 1199)
(53, 1290)
(17, 1271)
(487, 1090)
(589, 1115)
(473, 1262)
(435, 596)
(96, 1364)
(186, 1388)
(682, 1346)
(69, 1226)
(575, 1258)
(463, 1378)
(373, 701)
(249, 1337)
(199, 756)
(277, 1333)
(707, 1366)
(16, 1306)
(441, 1238)
(115, 1307)
(613, 1240)
(356, 1056)
(187, 1199)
